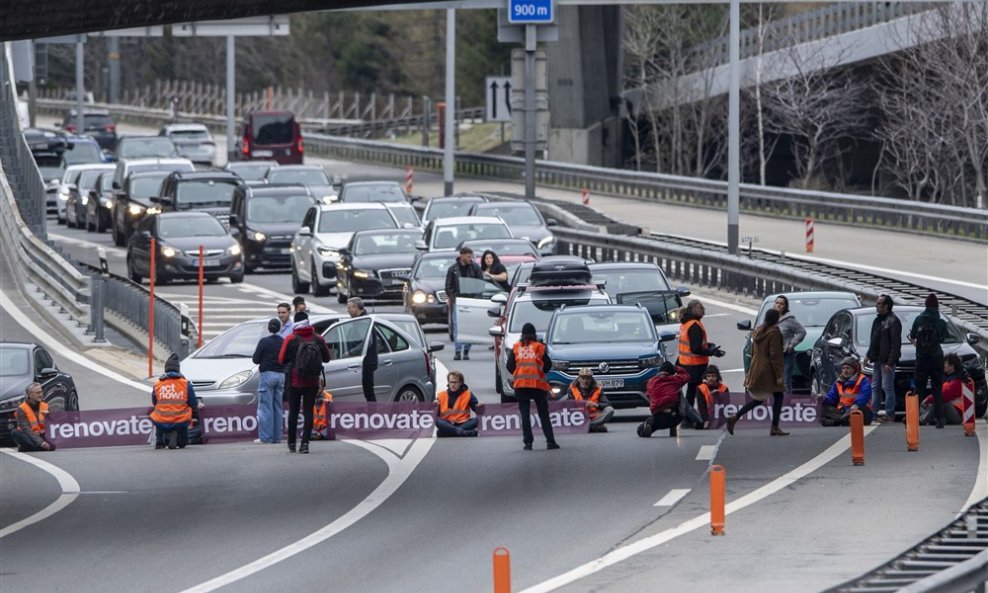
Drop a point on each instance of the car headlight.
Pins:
(560, 365)
(135, 210)
(256, 235)
(108, 204)
(153, 210)
(546, 242)
(63, 193)
(234, 249)
(236, 380)
(329, 199)
(169, 251)
(556, 390)
(651, 361)
(673, 315)
(10, 404)
(84, 200)
(363, 274)
(328, 251)
(418, 297)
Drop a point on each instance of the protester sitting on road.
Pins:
(175, 407)
(955, 380)
(665, 400)
(851, 391)
(29, 433)
(586, 388)
(455, 406)
(320, 417)
(710, 390)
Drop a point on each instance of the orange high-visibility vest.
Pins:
(37, 422)
(849, 396)
(172, 405)
(460, 412)
(528, 366)
(319, 422)
(686, 356)
(709, 395)
(594, 399)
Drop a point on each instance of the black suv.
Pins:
(96, 123)
(205, 191)
(264, 219)
(131, 202)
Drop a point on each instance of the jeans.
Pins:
(457, 344)
(883, 380)
(269, 407)
(162, 431)
(788, 364)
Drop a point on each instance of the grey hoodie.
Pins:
(792, 332)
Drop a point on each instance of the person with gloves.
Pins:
(695, 352)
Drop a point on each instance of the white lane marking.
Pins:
(56, 346)
(106, 492)
(724, 304)
(70, 491)
(889, 272)
(672, 497)
(706, 453)
(399, 470)
(648, 543)
(286, 298)
(981, 482)
(741, 370)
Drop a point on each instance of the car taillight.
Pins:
(110, 128)
(245, 146)
(70, 128)
(299, 145)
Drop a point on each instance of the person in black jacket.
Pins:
(355, 307)
(884, 351)
(494, 270)
(928, 332)
(463, 267)
(271, 385)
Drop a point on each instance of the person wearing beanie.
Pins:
(300, 355)
(585, 388)
(528, 362)
(664, 399)
(929, 331)
(271, 384)
(694, 351)
(711, 390)
(851, 391)
(174, 407)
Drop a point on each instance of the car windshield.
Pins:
(450, 208)
(433, 267)
(106, 182)
(166, 168)
(273, 129)
(862, 330)
(132, 148)
(186, 135)
(299, 176)
(375, 244)
(204, 194)
(82, 152)
(71, 175)
(621, 281)
(383, 192)
(87, 180)
(184, 226)
(602, 327)
(812, 312)
(512, 215)
(344, 221)
(505, 248)
(538, 313)
(406, 216)
(449, 236)
(52, 168)
(274, 209)
(13, 361)
(146, 186)
(237, 342)
(250, 171)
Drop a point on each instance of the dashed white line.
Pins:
(672, 497)
(706, 453)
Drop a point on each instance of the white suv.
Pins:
(446, 234)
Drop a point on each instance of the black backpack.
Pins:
(927, 338)
(308, 359)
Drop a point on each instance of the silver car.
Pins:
(192, 141)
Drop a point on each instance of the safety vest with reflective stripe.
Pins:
(686, 356)
(709, 395)
(849, 395)
(460, 412)
(594, 398)
(172, 406)
(37, 422)
(319, 422)
(528, 366)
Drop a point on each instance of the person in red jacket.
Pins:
(955, 380)
(663, 392)
(305, 382)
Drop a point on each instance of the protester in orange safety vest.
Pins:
(175, 407)
(694, 353)
(955, 381)
(320, 420)
(851, 391)
(586, 388)
(29, 432)
(709, 390)
(455, 405)
(528, 362)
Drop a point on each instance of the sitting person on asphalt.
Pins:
(175, 407)
(955, 380)
(586, 388)
(320, 418)
(710, 390)
(851, 391)
(456, 404)
(29, 432)
(664, 400)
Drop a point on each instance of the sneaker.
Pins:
(775, 431)
(551, 445)
(527, 447)
(466, 356)
(291, 447)
(303, 448)
(173, 440)
(260, 442)
(731, 421)
(456, 356)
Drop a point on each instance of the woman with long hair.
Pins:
(765, 376)
(494, 270)
(793, 333)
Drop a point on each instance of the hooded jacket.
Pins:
(289, 348)
(663, 390)
(765, 373)
(792, 330)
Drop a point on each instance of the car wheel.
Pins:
(132, 273)
(409, 393)
(57, 404)
(118, 238)
(72, 405)
(237, 278)
(815, 389)
(298, 287)
(317, 289)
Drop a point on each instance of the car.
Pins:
(23, 363)
(373, 191)
(127, 166)
(411, 326)
(632, 355)
(65, 187)
(444, 234)
(78, 200)
(178, 237)
(96, 123)
(264, 218)
(99, 206)
(192, 141)
(133, 201)
(44, 141)
(81, 150)
(423, 292)
(252, 172)
(311, 176)
(405, 214)
(450, 206)
(374, 263)
(524, 220)
(813, 309)
(848, 333)
(145, 147)
(644, 283)
(204, 191)
(325, 229)
(271, 135)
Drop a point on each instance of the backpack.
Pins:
(308, 359)
(927, 338)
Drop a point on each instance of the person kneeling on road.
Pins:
(665, 400)
(955, 381)
(851, 391)
(586, 388)
(175, 407)
(455, 405)
(29, 433)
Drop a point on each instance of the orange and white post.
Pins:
(585, 196)
(857, 438)
(409, 179)
(809, 235)
(718, 496)
(912, 421)
(967, 395)
(502, 570)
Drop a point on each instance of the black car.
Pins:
(264, 219)
(525, 222)
(23, 363)
(99, 206)
(423, 293)
(450, 206)
(375, 263)
(252, 172)
(206, 191)
(178, 236)
(848, 333)
(373, 191)
(132, 201)
(644, 283)
(96, 123)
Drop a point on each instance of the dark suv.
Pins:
(132, 201)
(96, 123)
(264, 219)
(205, 191)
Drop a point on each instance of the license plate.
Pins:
(211, 263)
(40, 146)
(611, 383)
(263, 153)
(286, 250)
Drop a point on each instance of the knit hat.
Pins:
(850, 361)
(585, 372)
(931, 301)
(528, 330)
(274, 326)
(300, 316)
(171, 365)
(300, 323)
(668, 368)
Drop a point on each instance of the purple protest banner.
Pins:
(502, 420)
(798, 410)
(380, 420)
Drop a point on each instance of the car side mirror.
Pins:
(494, 311)
(345, 251)
(500, 298)
(551, 222)
(436, 346)
(836, 343)
(420, 245)
(305, 232)
(744, 325)
(496, 331)
(116, 185)
(165, 201)
(972, 338)
(667, 336)
(682, 291)
(234, 220)
(47, 372)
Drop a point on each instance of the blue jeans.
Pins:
(457, 344)
(788, 364)
(883, 380)
(269, 406)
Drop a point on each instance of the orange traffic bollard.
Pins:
(717, 495)
(502, 570)
(967, 418)
(857, 438)
(912, 421)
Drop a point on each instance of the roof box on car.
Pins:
(560, 271)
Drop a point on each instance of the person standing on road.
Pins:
(793, 333)
(355, 307)
(271, 384)
(285, 317)
(765, 373)
(175, 407)
(665, 400)
(695, 353)
(884, 351)
(29, 433)
(528, 362)
(463, 267)
(304, 352)
(851, 391)
(586, 389)
(494, 270)
(928, 332)
(456, 404)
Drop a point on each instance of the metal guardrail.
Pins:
(129, 301)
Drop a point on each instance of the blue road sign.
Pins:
(531, 12)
